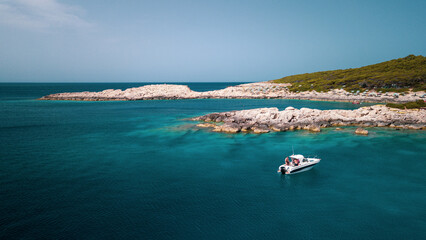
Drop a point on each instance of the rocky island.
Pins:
(261, 90)
(264, 120)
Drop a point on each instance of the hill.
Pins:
(396, 75)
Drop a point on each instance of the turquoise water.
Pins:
(124, 170)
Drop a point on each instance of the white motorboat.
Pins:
(297, 163)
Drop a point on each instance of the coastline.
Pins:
(259, 90)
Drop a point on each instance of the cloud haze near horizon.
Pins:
(39, 14)
(181, 41)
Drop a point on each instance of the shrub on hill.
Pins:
(396, 75)
(409, 105)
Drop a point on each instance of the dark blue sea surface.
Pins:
(140, 170)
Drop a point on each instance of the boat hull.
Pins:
(284, 169)
(302, 169)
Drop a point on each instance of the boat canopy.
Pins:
(297, 156)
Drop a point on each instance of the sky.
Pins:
(201, 41)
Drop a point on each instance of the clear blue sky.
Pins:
(180, 40)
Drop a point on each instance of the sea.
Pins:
(142, 170)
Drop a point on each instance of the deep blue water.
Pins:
(126, 170)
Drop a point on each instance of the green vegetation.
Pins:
(396, 75)
(409, 105)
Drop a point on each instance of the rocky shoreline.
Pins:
(261, 90)
(264, 120)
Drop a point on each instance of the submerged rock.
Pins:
(361, 131)
(206, 125)
(260, 130)
(227, 128)
(314, 128)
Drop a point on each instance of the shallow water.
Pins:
(121, 170)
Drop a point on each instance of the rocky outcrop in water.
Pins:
(263, 120)
(361, 131)
(148, 92)
(247, 91)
